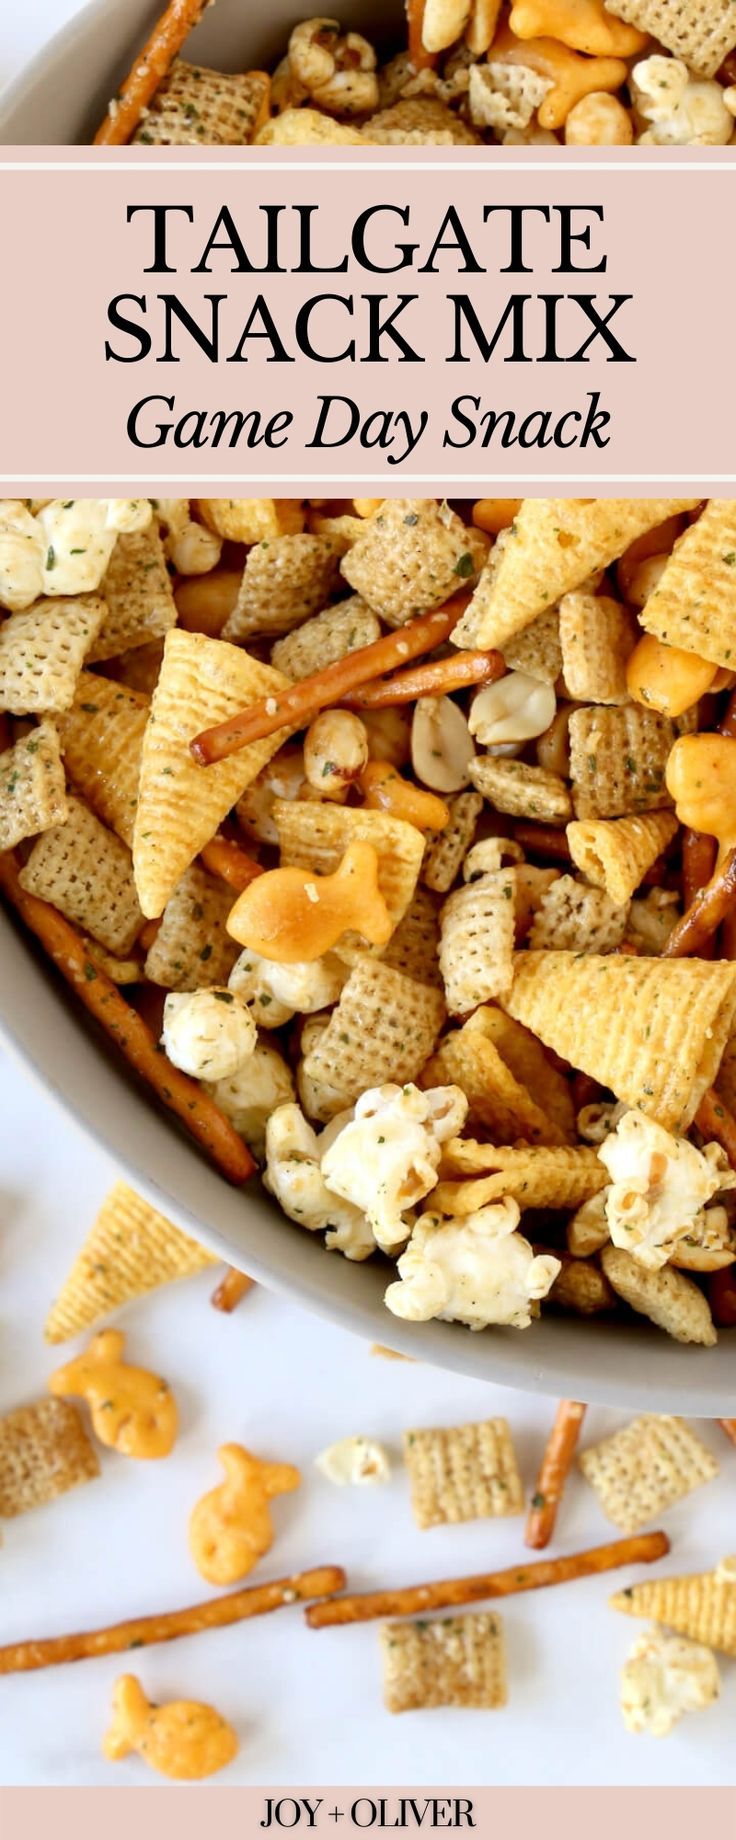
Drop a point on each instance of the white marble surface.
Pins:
(307, 1704)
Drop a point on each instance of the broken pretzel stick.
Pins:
(705, 913)
(230, 1289)
(437, 678)
(729, 1426)
(143, 1631)
(127, 1029)
(151, 66)
(715, 1121)
(698, 863)
(295, 707)
(363, 1607)
(226, 860)
(722, 1297)
(543, 840)
(554, 1472)
(418, 54)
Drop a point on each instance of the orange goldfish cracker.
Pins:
(385, 790)
(701, 778)
(571, 75)
(584, 25)
(495, 514)
(133, 1411)
(293, 915)
(665, 678)
(230, 1528)
(183, 1740)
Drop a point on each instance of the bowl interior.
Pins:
(613, 1364)
(61, 98)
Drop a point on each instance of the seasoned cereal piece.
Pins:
(315, 836)
(192, 949)
(694, 603)
(42, 652)
(285, 581)
(307, 128)
(251, 520)
(701, 32)
(537, 650)
(328, 636)
(140, 668)
(597, 636)
(412, 555)
(522, 791)
(465, 1473)
(102, 742)
(652, 1030)
(477, 941)
(701, 1606)
(129, 1250)
(618, 759)
(420, 121)
(615, 853)
(573, 917)
(667, 1297)
(32, 786)
(646, 1467)
(535, 1175)
(195, 107)
(443, 857)
(587, 1229)
(84, 871)
(383, 1028)
(503, 96)
(180, 804)
(498, 1100)
(138, 596)
(531, 1064)
(44, 1450)
(446, 1661)
(581, 1287)
(414, 946)
(555, 544)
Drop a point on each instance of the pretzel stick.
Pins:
(296, 706)
(714, 1120)
(705, 913)
(722, 1297)
(729, 1426)
(149, 934)
(554, 1472)
(142, 1631)
(149, 70)
(728, 725)
(434, 679)
(728, 934)
(230, 1289)
(698, 863)
(226, 860)
(418, 55)
(543, 840)
(128, 1030)
(364, 1606)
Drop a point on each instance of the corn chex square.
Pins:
(463, 1473)
(645, 1468)
(446, 1661)
(44, 1450)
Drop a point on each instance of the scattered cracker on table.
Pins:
(700, 1606)
(44, 1450)
(446, 1661)
(646, 1467)
(463, 1473)
(130, 1249)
